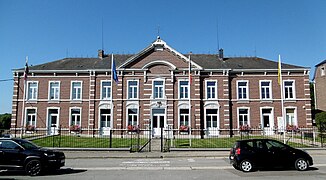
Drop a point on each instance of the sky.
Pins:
(47, 30)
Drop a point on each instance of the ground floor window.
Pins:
(211, 118)
(132, 117)
(243, 117)
(75, 117)
(290, 117)
(105, 118)
(31, 117)
(184, 117)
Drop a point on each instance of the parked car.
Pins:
(24, 155)
(247, 155)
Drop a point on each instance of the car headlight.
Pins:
(49, 155)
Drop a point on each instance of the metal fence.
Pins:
(225, 138)
(140, 139)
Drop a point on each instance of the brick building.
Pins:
(154, 91)
(320, 85)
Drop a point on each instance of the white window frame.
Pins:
(295, 115)
(108, 118)
(247, 90)
(212, 115)
(27, 115)
(33, 89)
(293, 89)
(162, 86)
(183, 89)
(215, 87)
(261, 88)
(70, 116)
(81, 91)
(134, 88)
(183, 115)
(238, 115)
(56, 95)
(322, 71)
(108, 90)
(133, 117)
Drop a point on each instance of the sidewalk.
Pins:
(173, 154)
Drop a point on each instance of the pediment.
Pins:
(158, 54)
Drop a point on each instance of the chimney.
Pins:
(220, 54)
(100, 53)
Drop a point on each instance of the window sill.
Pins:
(76, 101)
(243, 101)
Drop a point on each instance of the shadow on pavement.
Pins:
(62, 171)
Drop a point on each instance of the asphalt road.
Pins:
(168, 168)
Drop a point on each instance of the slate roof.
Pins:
(323, 62)
(207, 61)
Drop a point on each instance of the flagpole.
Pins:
(111, 90)
(189, 73)
(24, 95)
(280, 81)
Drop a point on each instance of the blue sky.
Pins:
(47, 30)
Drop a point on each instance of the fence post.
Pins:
(110, 143)
(161, 139)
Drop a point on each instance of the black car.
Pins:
(24, 155)
(247, 155)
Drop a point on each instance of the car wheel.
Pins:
(301, 164)
(33, 167)
(246, 166)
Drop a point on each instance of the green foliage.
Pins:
(321, 121)
(5, 121)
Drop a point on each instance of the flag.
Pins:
(26, 71)
(114, 70)
(279, 71)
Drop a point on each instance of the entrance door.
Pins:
(158, 121)
(267, 121)
(212, 123)
(53, 122)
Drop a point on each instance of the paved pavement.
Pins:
(70, 154)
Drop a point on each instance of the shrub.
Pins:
(321, 121)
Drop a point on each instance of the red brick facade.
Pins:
(169, 67)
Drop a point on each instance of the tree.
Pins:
(321, 121)
(5, 120)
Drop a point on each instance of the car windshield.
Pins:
(27, 144)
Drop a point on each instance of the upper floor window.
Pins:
(289, 90)
(54, 93)
(32, 87)
(132, 89)
(211, 90)
(106, 90)
(158, 89)
(322, 71)
(76, 90)
(242, 90)
(265, 90)
(183, 89)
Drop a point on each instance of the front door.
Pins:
(267, 121)
(158, 121)
(212, 123)
(53, 122)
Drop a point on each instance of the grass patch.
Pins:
(87, 142)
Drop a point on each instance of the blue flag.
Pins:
(114, 71)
